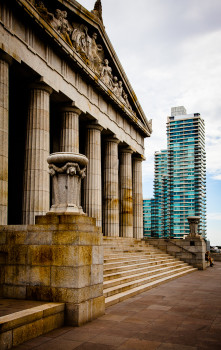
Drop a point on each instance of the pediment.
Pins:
(85, 34)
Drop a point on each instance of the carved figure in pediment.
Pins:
(119, 91)
(40, 6)
(115, 85)
(78, 38)
(61, 24)
(106, 74)
(125, 97)
(96, 54)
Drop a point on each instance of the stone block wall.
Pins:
(59, 259)
(190, 250)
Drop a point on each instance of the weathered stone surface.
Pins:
(126, 202)
(137, 198)
(191, 249)
(67, 169)
(111, 189)
(36, 177)
(78, 314)
(6, 340)
(92, 182)
(67, 267)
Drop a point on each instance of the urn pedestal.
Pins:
(67, 170)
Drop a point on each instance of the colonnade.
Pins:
(112, 189)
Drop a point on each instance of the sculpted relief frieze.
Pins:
(77, 36)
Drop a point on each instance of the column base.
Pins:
(66, 208)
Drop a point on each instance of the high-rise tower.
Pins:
(180, 177)
(186, 170)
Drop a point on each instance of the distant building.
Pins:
(147, 215)
(180, 177)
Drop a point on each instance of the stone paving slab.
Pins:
(184, 314)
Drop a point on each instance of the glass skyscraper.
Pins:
(180, 177)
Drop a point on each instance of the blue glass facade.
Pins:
(147, 216)
(180, 178)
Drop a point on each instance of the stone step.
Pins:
(114, 299)
(133, 284)
(116, 250)
(19, 327)
(139, 275)
(117, 258)
(131, 272)
(124, 265)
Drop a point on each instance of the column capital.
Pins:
(139, 157)
(41, 85)
(126, 149)
(94, 125)
(70, 107)
(112, 138)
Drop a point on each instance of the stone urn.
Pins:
(67, 169)
(193, 222)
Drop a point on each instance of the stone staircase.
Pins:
(132, 266)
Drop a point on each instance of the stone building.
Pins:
(67, 110)
(63, 89)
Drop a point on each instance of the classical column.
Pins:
(126, 203)
(4, 110)
(137, 198)
(70, 129)
(36, 176)
(92, 182)
(111, 189)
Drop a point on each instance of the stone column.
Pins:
(126, 203)
(137, 198)
(111, 189)
(92, 182)
(36, 176)
(70, 129)
(4, 110)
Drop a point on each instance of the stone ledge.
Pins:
(20, 318)
(24, 325)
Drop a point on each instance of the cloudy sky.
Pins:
(171, 53)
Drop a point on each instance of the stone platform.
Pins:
(60, 259)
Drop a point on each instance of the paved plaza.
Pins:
(184, 314)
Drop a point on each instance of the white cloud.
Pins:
(214, 216)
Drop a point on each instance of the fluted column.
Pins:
(137, 198)
(4, 110)
(70, 129)
(36, 176)
(111, 189)
(92, 182)
(126, 203)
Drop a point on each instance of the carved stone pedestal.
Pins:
(193, 222)
(67, 169)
